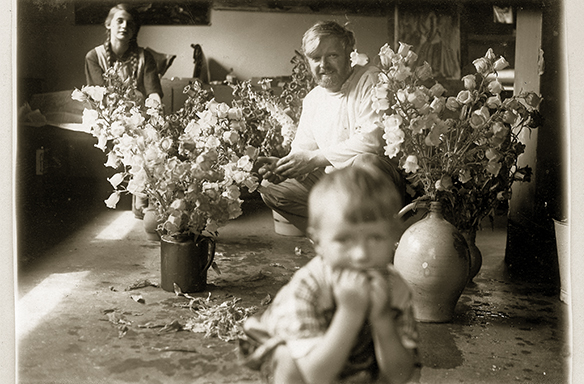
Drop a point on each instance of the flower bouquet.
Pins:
(460, 150)
(271, 120)
(190, 164)
(293, 92)
(268, 127)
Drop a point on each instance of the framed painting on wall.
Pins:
(434, 33)
(186, 12)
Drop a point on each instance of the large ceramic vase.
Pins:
(185, 262)
(476, 258)
(433, 258)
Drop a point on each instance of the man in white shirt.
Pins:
(337, 126)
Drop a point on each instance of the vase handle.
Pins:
(413, 212)
(406, 209)
(210, 253)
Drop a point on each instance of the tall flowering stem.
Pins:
(270, 125)
(462, 149)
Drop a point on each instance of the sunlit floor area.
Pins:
(90, 311)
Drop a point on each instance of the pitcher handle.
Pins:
(210, 253)
(410, 210)
(406, 209)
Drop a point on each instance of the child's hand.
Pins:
(350, 290)
(380, 298)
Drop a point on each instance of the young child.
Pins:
(346, 316)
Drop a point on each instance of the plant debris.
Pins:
(179, 292)
(138, 299)
(119, 321)
(151, 324)
(261, 274)
(170, 349)
(173, 326)
(141, 284)
(266, 300)
(223, 321)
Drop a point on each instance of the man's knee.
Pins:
(268, 198)
(276, 196)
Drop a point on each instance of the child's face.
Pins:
(362, 246)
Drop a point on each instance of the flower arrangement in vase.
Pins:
(191, 164)
(459, 155)
(459, 150)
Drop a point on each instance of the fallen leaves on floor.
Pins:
(171, 349)
(173, 326)
(266, 300)
(138, 299)
(261, 274)
(119, 321)
(223, 321)
(141, 284)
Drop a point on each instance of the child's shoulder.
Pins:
(299, 303)
(315, 272)
(306, 285)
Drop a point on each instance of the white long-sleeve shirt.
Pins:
(341, 124)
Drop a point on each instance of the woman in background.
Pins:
(120, 50)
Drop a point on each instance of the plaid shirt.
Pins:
(302, 312)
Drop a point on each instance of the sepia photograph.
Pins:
(292, 191)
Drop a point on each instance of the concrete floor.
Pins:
(77, 322)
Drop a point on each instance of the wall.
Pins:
(51, 48)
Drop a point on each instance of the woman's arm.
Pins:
(93, 71)
(151, 78)
(324, 363)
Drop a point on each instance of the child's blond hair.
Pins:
(363, 193)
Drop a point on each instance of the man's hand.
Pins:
(299, 163)
(264, 166)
